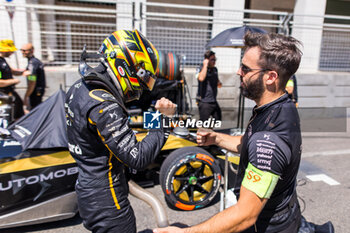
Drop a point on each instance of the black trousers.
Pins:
(35, 100)
(209, 109)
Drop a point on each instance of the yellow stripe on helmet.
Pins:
(122, 44)
(148, 58)
(121, 80)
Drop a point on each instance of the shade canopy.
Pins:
(232, 37)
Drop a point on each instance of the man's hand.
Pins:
(8, 82)
(16, 81)
(205, 137)
(166, 107)
(219, 84)
(168, 230)
(205, 62)
(26, 73)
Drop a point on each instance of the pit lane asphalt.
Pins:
(326, 155)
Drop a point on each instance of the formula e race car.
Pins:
(38, 174)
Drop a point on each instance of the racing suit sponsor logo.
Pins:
(113, 123)
(129, 145)
(124, 141)
(68, 122)
(107, 95)
(23, 181)
(114, 115)
(114, 128)
(264, 156)
(74, 149)
(268, 142)
(110, 107)
(265, 150)
(134, 152)
(116, 134)
(265, 162)
(266, 145)
(69, 111)
(121, 71)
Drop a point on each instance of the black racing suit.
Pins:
(5, 73)
(272, 143)
(102, 144)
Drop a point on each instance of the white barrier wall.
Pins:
(308, 27)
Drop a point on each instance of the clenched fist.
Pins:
(166, 107)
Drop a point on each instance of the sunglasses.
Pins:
(245, 69)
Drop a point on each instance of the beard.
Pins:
(253, 89)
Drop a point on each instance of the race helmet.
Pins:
(7, 46)
(131, 61)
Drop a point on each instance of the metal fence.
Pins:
(61, 31)
(335, 47)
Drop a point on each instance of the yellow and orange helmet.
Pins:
(132, 61)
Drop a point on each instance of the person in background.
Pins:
(208, 83)
(292, 89)
(270, 150)
(7, 82)
(35, 78)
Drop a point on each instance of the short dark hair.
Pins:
(208, 54)
(278, 52)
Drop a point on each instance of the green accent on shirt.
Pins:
(0, 74)
(32, 77)
(262, 183)
(290, 83)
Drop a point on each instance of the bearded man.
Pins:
(270, 149)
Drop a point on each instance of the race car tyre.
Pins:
(190, 178)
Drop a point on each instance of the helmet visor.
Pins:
(146, 78)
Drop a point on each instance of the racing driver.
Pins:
(99, 137)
